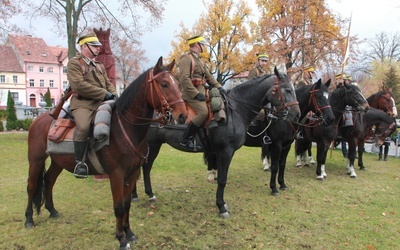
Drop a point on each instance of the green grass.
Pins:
(338, 213)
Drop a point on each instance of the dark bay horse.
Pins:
(383, 100)
(155, 89)
(243, 104)
(282, 133)
(355, 135)
(345, 94)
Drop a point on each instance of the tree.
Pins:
(391, 81)
(12, 121)
(47, 98)
(226, 27)
(302, 33)
(8, 9)
(80, 15)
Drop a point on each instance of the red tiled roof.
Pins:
(59, 52)
(9, 61)
(32, 49)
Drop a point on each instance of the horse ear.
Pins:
(328, 83)
(276, 72)
(390, 90)
(158, 65)
(171, 65)
(318, 83)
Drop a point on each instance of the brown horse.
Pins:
(383, 100)
(155, 89)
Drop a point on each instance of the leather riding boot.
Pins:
(385, 157)
(380, 157)
(81, 169)
(188, 137)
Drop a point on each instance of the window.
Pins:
(50, 69)
(15, 79)
(31, 82)
(41, 83)
(65, 69)
(2, 78)
(41, 69)
(51, 83)
(65, 85)
(14, 96)
(30, 68)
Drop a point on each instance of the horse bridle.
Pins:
(385, 133)
(283, 108)
(313, 101)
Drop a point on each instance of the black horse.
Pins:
(243, 104)
(355, 135)
(346, 94)
(282, 133)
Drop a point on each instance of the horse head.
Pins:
(165, 95)
(387, 104)
(352, 96)
(283, 96)
(319, 102)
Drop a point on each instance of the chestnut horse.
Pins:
(155, 89)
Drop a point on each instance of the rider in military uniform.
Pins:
(260, 67)
(193, 75)
(307, 78)
(89, 81)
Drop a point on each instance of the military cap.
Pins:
(196, 39)
(309, 69)
(339, 76)
(90, 39)
(262, 56)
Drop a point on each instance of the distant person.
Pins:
(307, 77)
(261, 66)
(385, 148)
(193, 76)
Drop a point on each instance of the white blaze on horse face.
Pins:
(173, 79)
(394, 108)
(326, 95)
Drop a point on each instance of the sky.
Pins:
(368, 19)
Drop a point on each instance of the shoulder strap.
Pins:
(191, 65)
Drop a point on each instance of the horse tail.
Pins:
(38, 196)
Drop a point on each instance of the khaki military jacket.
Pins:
(200, 71)
(256, 71)
(89, 92)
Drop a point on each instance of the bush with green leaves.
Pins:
(12, 121)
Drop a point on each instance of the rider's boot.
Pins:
(188, 137)
(81, 169)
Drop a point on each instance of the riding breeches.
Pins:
(201, 109)
(83, 118)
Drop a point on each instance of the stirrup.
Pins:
(81, 174)
(267, 140)
(299, 135)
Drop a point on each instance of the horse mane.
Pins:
(129, 94)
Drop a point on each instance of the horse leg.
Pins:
(360, 155)
(351, 157)
(223, 159)
(275, 156)
(322, 151)
(129, 235)
(265, 156)
(212, 173)
(117, 182)
(282, 166)
(35, 192)
(154, 149)
(310, 157)
(50, 179)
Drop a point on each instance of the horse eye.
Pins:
(164, 85)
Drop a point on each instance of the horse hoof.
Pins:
(320, 178)
(266, 169)
(133, 238)
(153, 199)
(299, 165)
(54, 215)
(353, 176)
(225, 215)
(362, 168)
(283, 188)
(135, 199)
(127, 247)
(29, 225)
(275, 193)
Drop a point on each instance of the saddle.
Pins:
(216, 109)
(61, 133)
